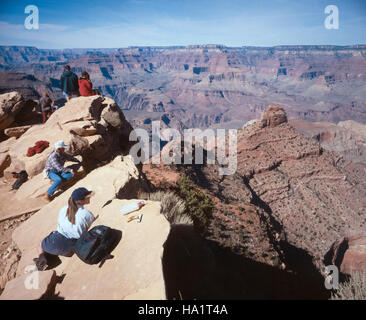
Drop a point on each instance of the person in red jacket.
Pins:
(86, 86)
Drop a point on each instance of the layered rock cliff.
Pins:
(205, 86)
(289, 200)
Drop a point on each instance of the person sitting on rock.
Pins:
(69, 83)
(73, 220)
(86, 86)
(55, 168)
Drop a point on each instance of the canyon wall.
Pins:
(210, 85)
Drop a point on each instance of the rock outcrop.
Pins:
(300, 187)
(10, 105)
(348, 254)
(301, 195)
(135, 272)
(96, 131)
(93, 127)
(16, 131)
(347, 138)
(273, 116)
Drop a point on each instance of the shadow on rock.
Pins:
(195, 268)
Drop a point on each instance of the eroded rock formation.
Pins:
(93, 127)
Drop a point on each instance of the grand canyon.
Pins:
(206, 85)
(295, 204)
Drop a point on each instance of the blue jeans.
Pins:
(57, 244)
(57, 177)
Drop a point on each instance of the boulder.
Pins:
(29, 113)
(111, 114)
(84, 128)
(273, 116)
(10, 105)
(16, 131)
(30, 286)
(77, 124)
(348, 254)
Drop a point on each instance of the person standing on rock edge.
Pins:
(73, 220)
(69, 83)
(55, 168)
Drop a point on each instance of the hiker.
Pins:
(54, 106)
(86, 86)
(55, 168)
(69, 83)
(73, 220)
(45, 106)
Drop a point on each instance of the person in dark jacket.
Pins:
(69, 83)
(86, 86)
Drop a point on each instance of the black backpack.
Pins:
(21, 177)
(94, 246)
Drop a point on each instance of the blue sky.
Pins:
(112, 23)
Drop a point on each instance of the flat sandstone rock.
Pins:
(30, 286)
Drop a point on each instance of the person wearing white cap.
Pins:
(55, 168)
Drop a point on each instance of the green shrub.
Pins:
(198, 205)
(353, 289)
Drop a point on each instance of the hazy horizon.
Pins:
(188, 45)
(234, 23)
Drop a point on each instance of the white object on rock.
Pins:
(45, 174)
(131, 207)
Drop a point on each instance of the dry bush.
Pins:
(353, 289)
(172, 206)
